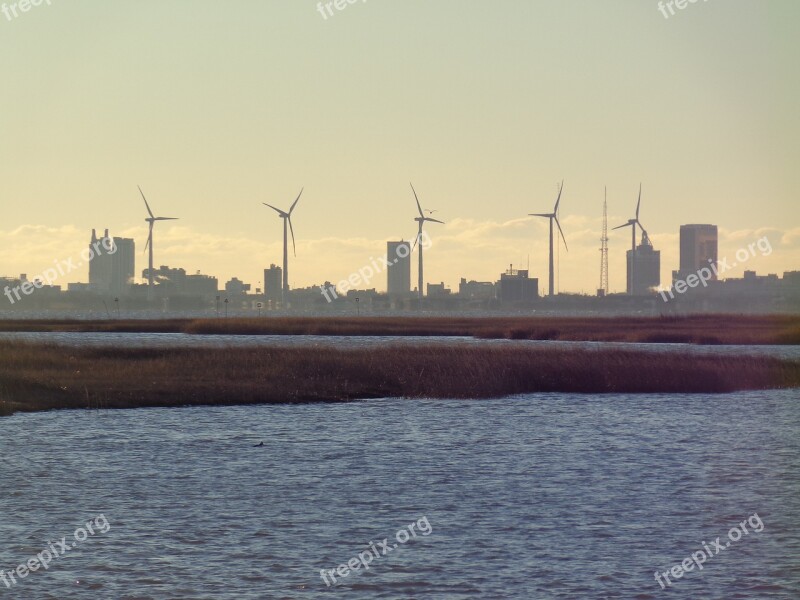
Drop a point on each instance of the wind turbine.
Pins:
(151, 220)
(553, 216)
(287, 219)
(632, 223)
(421, 219)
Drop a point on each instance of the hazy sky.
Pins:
(215, 107)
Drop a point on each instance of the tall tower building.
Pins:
(123, 266)
(646, 265)
(398, 273)
(273, 284)
(100, 263)
(112, 266)
(699, 247)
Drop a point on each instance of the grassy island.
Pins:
(701, 329)
(40, 377)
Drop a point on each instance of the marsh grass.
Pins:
(37, 377)
(701, 329)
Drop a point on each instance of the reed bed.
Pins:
(39, 377)
(701, 329)
(705, 329)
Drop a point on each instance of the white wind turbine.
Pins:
(151, 220)
(421, 219)
(287, 221)
(553, 216)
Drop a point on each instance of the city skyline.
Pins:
(211, 127)
(734, 241)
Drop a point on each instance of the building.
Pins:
(644, 268)
(437, 290)
(200, 285)
(273, 284)
(791, 279)
(16, 290)
(112, 265)
(398, 272)
(123, 267)
(699, 247)
(515, 287)
(476, 290)
(176, 281)
(236, 287)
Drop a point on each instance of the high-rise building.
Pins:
(517, 288)
(645, 266)
(113, 263)
(398, 273)
(273, 284)
(699, 247)
(123, 266)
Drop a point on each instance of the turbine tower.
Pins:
(287, 219)
(553, 216)
(421, 220)
(151, 220)
(632, 223)
(604, 247)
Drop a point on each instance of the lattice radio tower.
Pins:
(604, 248)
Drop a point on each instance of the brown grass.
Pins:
(35, 377)
(711, 329)
(705, 329)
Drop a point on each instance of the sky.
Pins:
(214, 108)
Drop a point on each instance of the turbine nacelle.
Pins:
(421, 219)
(630, 222)
(151, 220)
(287, 216)
(635, 221)
(554, 215)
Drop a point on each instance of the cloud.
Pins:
(468, 248)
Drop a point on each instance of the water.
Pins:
(183, 340)
(533, 497)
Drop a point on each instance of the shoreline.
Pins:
(700, 330)
(36, 377)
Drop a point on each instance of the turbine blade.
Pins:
(562, 233)
(639, 202)
(294, 247)
(149, 238)
(419, 208)
(561, 189)
(166, 218)
(278, 210)
(296, 201)
(621, 226)
(145, 201)
(540, 215)
(434, 220)
(416, 239)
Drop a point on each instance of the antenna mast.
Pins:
(604, 247)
